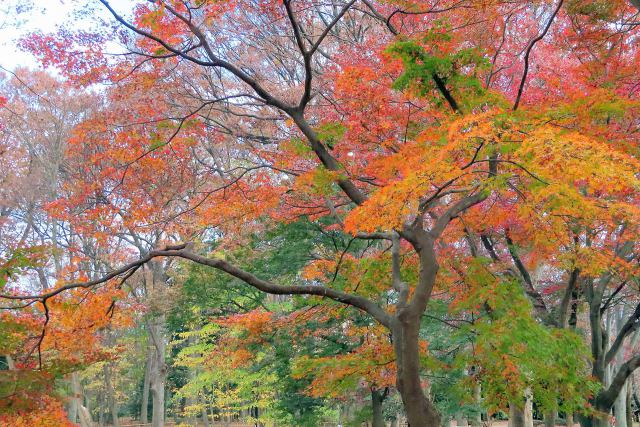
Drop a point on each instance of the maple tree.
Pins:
(465, 152)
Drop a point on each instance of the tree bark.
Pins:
(516, 415)
(205, 415)
(158, 372)
(420, 411)
(629, 414)
(111, 398)
(10, 363)
(601, 352)
(84, 417)
(377, 397)
(476, 421)
(76, 399)
(144, 406)
(100, 401)
(521, 413)
(620, 408)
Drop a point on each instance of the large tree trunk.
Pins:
(420, 411)
(550, 419)
(158, 374)
(521, 412)
(76, 397)
(516, 415)
(157, 396)
(620, 408)
(377, 397)
(157, 337)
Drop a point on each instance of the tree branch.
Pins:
(629, 327)
(566, 298)
(538, 303)
(398, 284)
(183, 251)
(459, 207)
(214, 61)
(528, 53)
(607, 397)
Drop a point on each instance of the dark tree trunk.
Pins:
(377, 397)
(516, 416)
(420, 411)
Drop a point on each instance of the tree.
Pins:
(401, 144)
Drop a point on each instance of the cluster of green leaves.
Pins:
(512, 351)
(206, 294)
(594, 9)
(458, 70)
(18, 261)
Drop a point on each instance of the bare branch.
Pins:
(528, 53)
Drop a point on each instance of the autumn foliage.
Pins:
(428, 189)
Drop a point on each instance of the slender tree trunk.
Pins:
(100, 402)
(87, 403)
(629, 414)
(192, 416)
(377, 397)
(205, 415)
(476, 421)
(111, 398)
(599, 342)
(11, 365)
(144, 406)
(84, 417)
(569, 419)
(528, 408)
(76, 397)
(461, 421)
(157, 396)
(550, 419)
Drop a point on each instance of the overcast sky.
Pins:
(46, 16)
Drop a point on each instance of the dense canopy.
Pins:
(322, 212)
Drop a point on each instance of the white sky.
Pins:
(46, 16)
